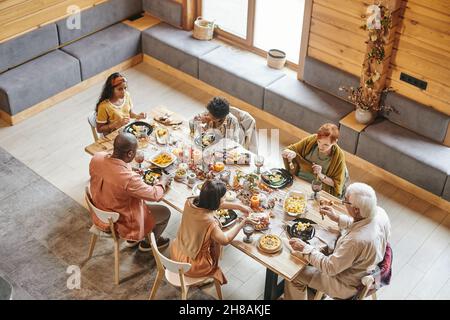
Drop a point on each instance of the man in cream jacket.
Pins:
(359, 249)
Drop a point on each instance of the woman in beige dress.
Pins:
(200, 239)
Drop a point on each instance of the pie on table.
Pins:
(270, 243)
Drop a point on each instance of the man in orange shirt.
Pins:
(115, 187)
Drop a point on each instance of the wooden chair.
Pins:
(368, 283)
(92, 120)
(108, 218)
(174, 272)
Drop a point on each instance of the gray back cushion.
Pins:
(99, 17)
(28, 46)
(167, 10)
(328, 78)
(417, 117)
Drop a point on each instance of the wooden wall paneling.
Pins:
(414, 47)
(435, 89)
(44, 16)
(338, 19)
(304, 41)
(189, 14)
(337, 62)
(337, 49)
(337, 34)
(418, 95)
(437, 5)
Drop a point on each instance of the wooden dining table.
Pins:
(281, 266)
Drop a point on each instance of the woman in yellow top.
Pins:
(319, 157)
(200, 239)
(114, 108)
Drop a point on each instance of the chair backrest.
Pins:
(248, 125)
(103, 216)
(172, 266)
(92, 120)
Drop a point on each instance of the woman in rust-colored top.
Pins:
(200, 239)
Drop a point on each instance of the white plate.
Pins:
(298, 194)
(196, 189)
(166, 165)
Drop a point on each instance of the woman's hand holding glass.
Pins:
(317, 169)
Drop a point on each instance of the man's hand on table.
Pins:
(297, 244)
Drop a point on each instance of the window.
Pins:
(230, 15)
(278, 25)
(260, 25)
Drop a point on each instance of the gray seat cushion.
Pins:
(37, 80)
(417, 117)
(238, 73)
(446, 193)
(327, 77)
(174, 47)
(406, 154)
(168, 11)
(28, 46)
(105, 49)
(303, 105)
(99, 17)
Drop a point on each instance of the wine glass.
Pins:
(248, 230)
(316, 186)
(259, 162)
(139, 158)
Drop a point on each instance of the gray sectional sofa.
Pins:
(409, 144)
(34, 70)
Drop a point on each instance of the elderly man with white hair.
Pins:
(359, 249)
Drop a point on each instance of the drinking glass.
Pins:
(248, 230)
(259, 162)
(139, 158)
(316, 186)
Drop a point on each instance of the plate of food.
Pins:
(261, 221)
(226, 217)
(151, 176)
(269, 243)
(295, 203)
(163, 159)
(302, 228)
(206, 139)
(162, 135)
(325, 202)
(137, 127)
(277, 178)
(197, 188)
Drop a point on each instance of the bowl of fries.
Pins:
(295, 203)
(163, 159)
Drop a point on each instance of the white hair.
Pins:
(363, 197)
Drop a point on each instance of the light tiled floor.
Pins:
(52, 144)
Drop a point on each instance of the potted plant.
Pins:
(367, 103)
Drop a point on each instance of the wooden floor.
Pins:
(52, 144)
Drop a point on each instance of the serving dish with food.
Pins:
(226, 217)
(163, 159)
(162, 135)
(302, 228)
(151, 176)
(261, 221)
(137, 127)
(277, 178)
(295, 203)
(206, 139)
(269, 243)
